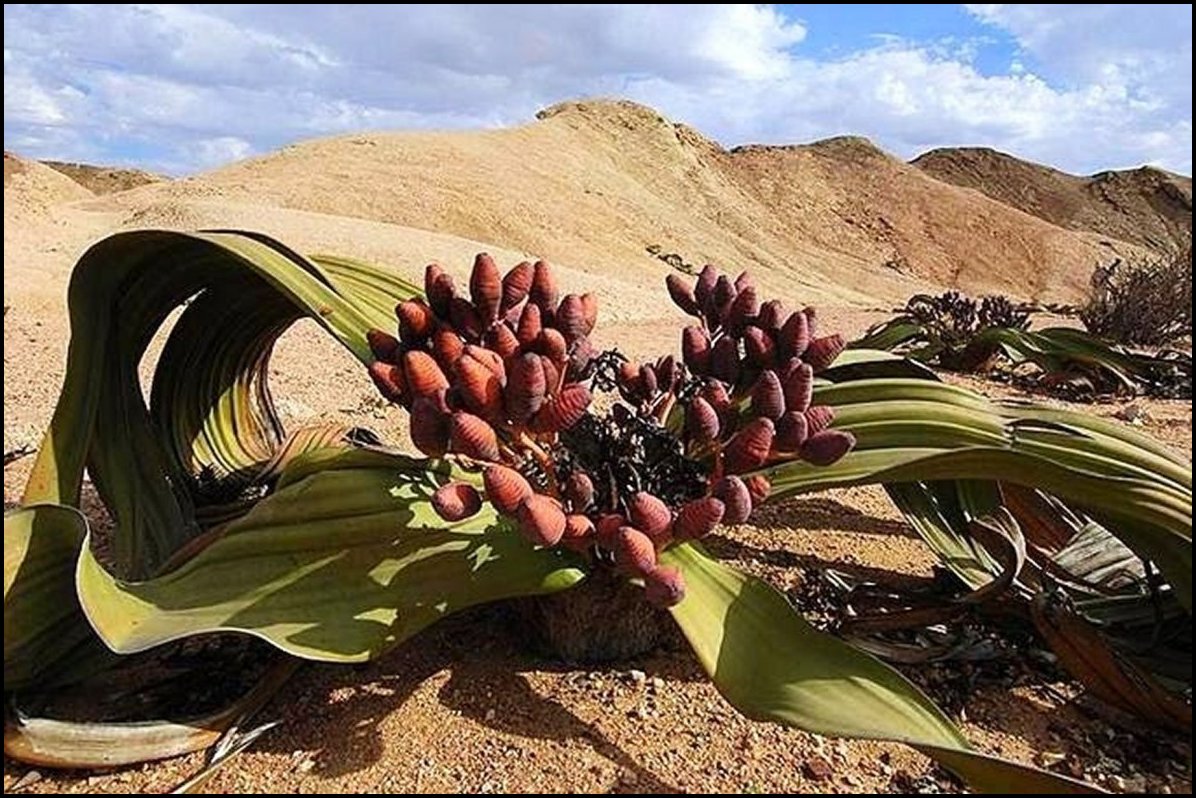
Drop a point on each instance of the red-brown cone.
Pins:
(697, 518)
(416, 321)
(515, 285)
(664, 586)
(447, 346)
(562, 411)
(737, 501)
(544, 291)
(439, 289)
(579, 532)
(822, 351)
(792, 431)
(704, 287)
(424, 377)
(749, 448)
(456, 501)
(485, 287)
(668, 373)
(570, 318)
(811, 314)
(606, 530)
(701, 420)
(388, 379)
(552, 374)
(541, 520)
(635, 553)
(794, 336)
(682, 294)
(720, 301)
(500, 339)
(758, 488)
(530, 325)
(743, 310)
(526, 387)
(383, 345)
(579, 490)
(724, 360)
(768, 399)
(552, 345)
(761, 351)
(819, 417)
(772, 315)
(799, 387)
(589, 311)
(579, 359)
(479, 387)
(506, 488)
(650, 515)
(695, 349)
(744, 280)
(488, 358)
(471, 436)
(648, 382)
(827, 447)
(465, 319)
(429, 426)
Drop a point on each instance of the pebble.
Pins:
(818, 768)
(28, 780)
(638, 677)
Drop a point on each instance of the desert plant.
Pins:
(1145, 304)
(956, 333)
(333, 548)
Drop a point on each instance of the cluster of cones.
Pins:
(497, 377)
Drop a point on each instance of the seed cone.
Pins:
(562, 411)
(720, 301)
(416, 321)
(543, 292)
(429, 427)
(579, 490)
(704, 287)
(478, 385)
(799, 387)
(388, 379)
(424, 377)
(552, 374)
(530, 325)
(743, 310)
(737, 500)
(682, 294)
(698, 518)
(515, 285)
(579, 360)
(488, 358)
(606, 530)
(552, 345)
(716, 394)
(648, 382)
(447, 347)
(472, 436)
(701, 420)
(439, 289)
(383, 345)
(526, 387)
(589, 311)
(456, 501)
(579, 532)
(827, 447)
(749, 448)
(505, 488)
(760, 349)
(571, 319)
(772, 315)
(668, 373)
(823, 351)
(502, 340)
(485, 287)
(811, 314)
(664, 587)
(794, 336)
(695, 349)
(792, 431)
(650, 515)
(744, 280)
(541, 520)
(768, 399)
(758, 488)
(635, 553)
(465, 319)
(819, 417)
(724, 360)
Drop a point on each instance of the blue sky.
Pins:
(183, 88)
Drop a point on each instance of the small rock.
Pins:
(28, 780)
(305, 766)
(1117, 783)
(638, 677)
(657, 683)
(1133, 413)
(490, 714)
(818, 768)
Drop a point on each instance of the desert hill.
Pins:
(1147, 206)
(32, 189)
(104, 179)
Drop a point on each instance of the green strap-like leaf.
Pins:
(770, 664)
(338, 566)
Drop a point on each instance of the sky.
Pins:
(182, 88)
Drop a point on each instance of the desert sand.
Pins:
(465, 707)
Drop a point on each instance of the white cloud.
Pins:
(184, 87)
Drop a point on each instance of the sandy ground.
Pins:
(465, 707)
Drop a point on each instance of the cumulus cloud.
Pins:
(187, 87)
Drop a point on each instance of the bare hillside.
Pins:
(1145, 206)
(104, 179)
